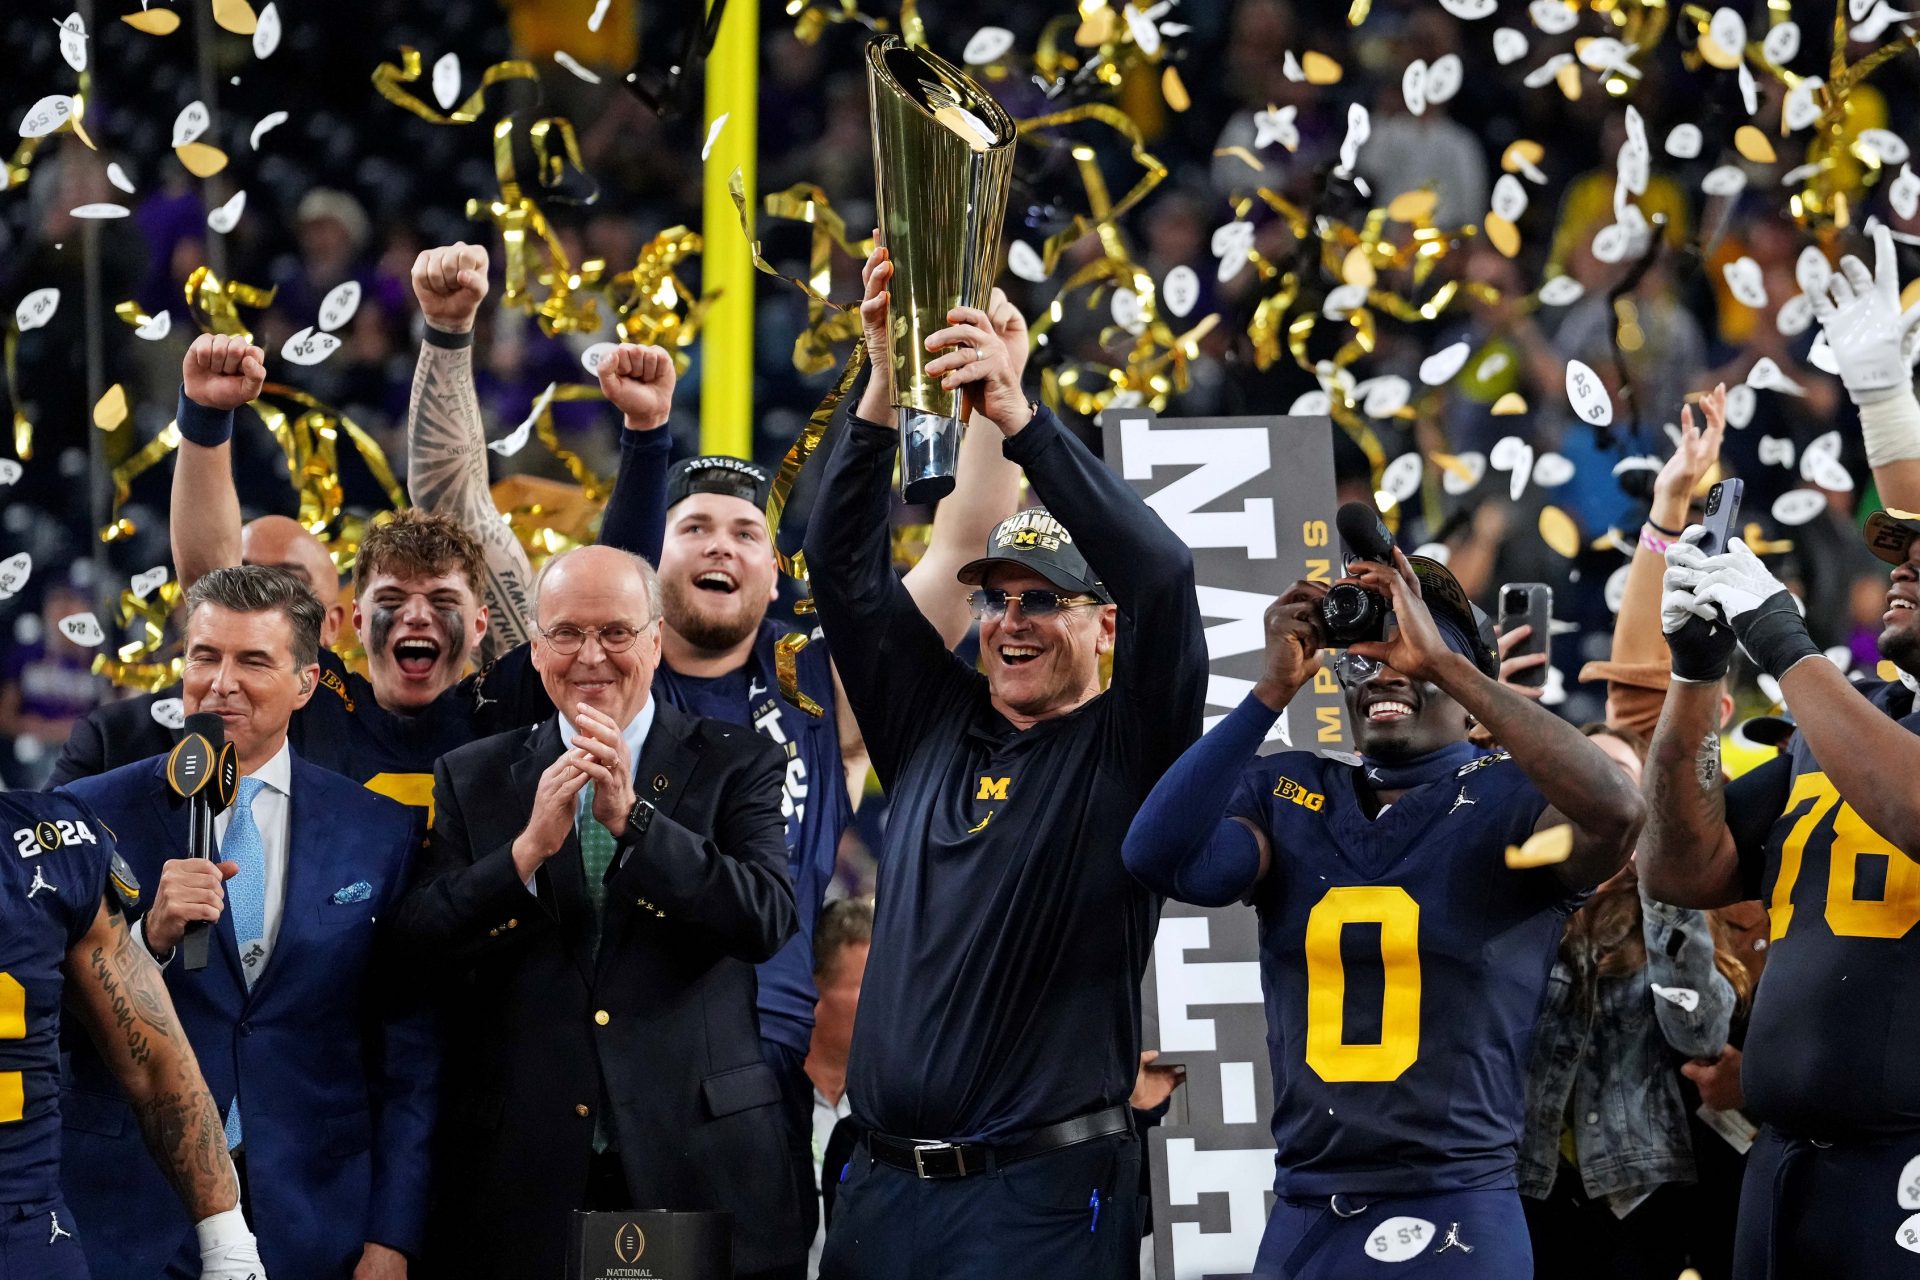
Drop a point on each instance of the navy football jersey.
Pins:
(1835, 1034)
(56, 864)
(1404, 965)
(344, 729)
(813, 798)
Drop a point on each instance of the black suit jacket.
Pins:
(658, 1027)
(113, 734)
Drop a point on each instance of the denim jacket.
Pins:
(1606, 1054)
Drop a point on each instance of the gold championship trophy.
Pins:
(943, 160)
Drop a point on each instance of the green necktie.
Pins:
(596, 851)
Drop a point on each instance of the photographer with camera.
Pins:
(1397, 1124)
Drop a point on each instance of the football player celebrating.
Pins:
(1828, 835)
(63, 932)
(1403, 960)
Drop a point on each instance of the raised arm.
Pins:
(116, 989)
(1636, 631)
(1873, 345)
(447, 439)
(639, 382)
(219, 373)
(1580, 783)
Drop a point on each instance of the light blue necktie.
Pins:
(247, 900)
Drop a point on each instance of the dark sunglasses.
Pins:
(991, 602)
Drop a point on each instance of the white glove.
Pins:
(1860, 313)
(228, 1250)
(1736, 581)
(1686, 567)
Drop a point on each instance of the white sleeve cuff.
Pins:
(223, 1230)
(1890, 427)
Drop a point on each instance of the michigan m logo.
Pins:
(992, 788)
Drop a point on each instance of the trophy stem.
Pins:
(929, 453)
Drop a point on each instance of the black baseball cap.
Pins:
(1447, 599)
(719, 473)
(1033, 539)
(1890, 533)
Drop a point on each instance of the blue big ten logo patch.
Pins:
(1288, 789)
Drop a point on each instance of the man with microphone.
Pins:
(324, 1079)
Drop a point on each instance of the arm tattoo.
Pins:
(447, 475)
(1706, 763)
(155, 1063)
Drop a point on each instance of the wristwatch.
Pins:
(639, 818)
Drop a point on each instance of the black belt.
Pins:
(929, 1159)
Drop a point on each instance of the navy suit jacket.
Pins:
(333, 1051)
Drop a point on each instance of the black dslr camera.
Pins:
(1349, 612)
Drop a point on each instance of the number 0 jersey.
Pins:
(56, 864)
(1404, 966)
(1833, 1046)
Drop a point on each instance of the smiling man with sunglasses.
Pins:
(999, 1028)
(1403, 958)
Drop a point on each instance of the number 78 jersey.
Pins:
(1833, 1047)
(1404, 966)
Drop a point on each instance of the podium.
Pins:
(650, 1245)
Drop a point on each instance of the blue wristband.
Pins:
(208, 428)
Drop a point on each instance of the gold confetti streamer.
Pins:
(215, 306)
(828, 322)
(1152, 172)
(388, 78)
(1542, 849)
(786, 670)
(111, 409)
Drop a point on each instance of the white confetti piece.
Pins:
(1401, 479)
(446, 80)
(1857, 10)
(1024, 262)
(1749, 88)
(118, 177)
(516, 440)
(1402, 1238)
(1588, 394)
(1383, 397)
(36, 309)
(1543, 75)
(1439, 368)
(1125, 308)
(1741, 402)
(1907, 1234)
(1889, 146)
(309, 347)
(1509, 45)
(1275, 125)
(598, 15)
(1180, 291)
(1827, 472)
(1438, 552)
(1909, 1185)
(269, 122)
(578, 69)
(1782, 43)
(169, 713)
(1554, 17)
(1883, 16)
(1145, 34)
(1492, 365)
(1685, 999)
(1560, 291)
(1231, 244)
(227, 216)
(591, 358)
(14, 572)
(1728, 30)
(1746, 282)
(1615, 592)
(73, 41)
(1776, 451)
(10, 471)
(1800, 108)
(1724, 180)
(1413, 87)
(1343, 301)
(1683, 141)
(1444, 75)
(190, 123)
(339, 305)
(46, 115)
(1820, 356)
(1811, 270)
(1470, 10)
(713, 134)
(1509, 198)
(1514, 456)
(1359, 129)
(1467, 472)
(1794, 317)
(1551, 470)
(1799, 506)
(83, 629)
(989, 44)
(149, 581)
(156, 327)
(1904, 194)
(266, 32)
(1311, 404)
(100, 210)
(1766, 375)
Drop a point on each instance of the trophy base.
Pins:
(929, 453)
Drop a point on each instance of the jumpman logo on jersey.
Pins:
(40, 882)
(1453, 1240)
(1373, 775)
(58, 1230)
(755, 688)
(1462, 800)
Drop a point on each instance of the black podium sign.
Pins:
(651, 1245)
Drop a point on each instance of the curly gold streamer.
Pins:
(389, 76)
(215, 306)
(1153, 172)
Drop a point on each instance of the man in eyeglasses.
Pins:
(998, 1037)
(1404, 947)
(597, 890)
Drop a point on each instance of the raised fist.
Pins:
(638, 381)
(223, 371)
(451, 282)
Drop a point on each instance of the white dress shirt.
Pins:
(634, 734)
(271, 813)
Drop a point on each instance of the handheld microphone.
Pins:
(204, 770)
(1364, 533)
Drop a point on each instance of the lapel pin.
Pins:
(659, 782)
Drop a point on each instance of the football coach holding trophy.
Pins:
(596, 891)
(999, 1028)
